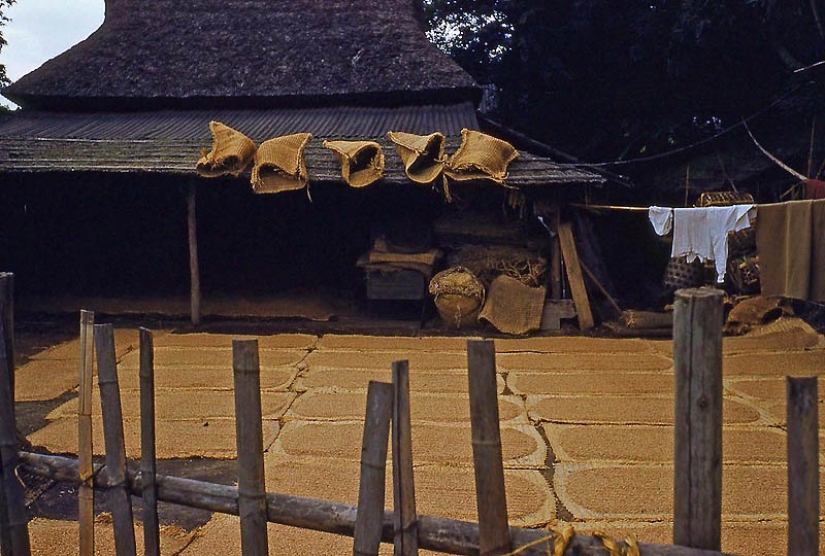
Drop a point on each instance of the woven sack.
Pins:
(422, 155)
(480, 156)
(231, 153)
(362, 162)
(279, 164)
(512, 307)
(458, 296)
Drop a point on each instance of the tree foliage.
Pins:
(4, 5)
(613, 79)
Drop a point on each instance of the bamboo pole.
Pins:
(151, 528)
(369, 521)
(406, 525)
(113, 440)
(435, 533)
(494, 535)
(85, 491)
(194, 265)
(803, 466)
(697, 360)
(15, 498)
(249, 435)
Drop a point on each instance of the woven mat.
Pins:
(512, 307)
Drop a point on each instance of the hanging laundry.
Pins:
(661, 218)
(815, 189)
(702, 233)
(790, 240)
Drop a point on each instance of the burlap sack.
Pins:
(480, 156)
(512, 307)
(362, 162)
(279, 164)
(231, 153)
(458, 296)
(423, 155)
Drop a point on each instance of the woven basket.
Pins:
(744, 273)
(458, 296)
(682, 274)
(724, 199)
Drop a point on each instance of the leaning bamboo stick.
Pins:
(113, 439)
(486, 438)
(406, 524)
(6, 315)
(249, 435)
(438, 534)
(85, 491)
(15, 497)
(369, 522)
(151, 529)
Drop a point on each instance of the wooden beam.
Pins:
(574, 276)
(406, 521)
(803, 466)
(194, 266)
(148, 466)
(85, 491)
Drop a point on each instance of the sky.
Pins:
(39, 30)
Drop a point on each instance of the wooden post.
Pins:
(574, 276)
(370, 518)
(85, 491)
(494, 534)
(803, 466)
(406, 521)
(249, 434)
(113, 440)
(7, 314)
(151, 528)
(697, 360)
(555, 257)
(17, 523)
(194, 267)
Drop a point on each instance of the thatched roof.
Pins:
(170, 142)
(248, 54)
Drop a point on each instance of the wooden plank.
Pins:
(113, 439)
(803, 466)
(494, 533)
(85, 491)
(601, 289)
(439, 534)
(574, 276)
(406, 521)
(369, 521)
(148, 469)
(555, 257)
(194, 265)
(17, 523)
(249, 435)
(697, 360)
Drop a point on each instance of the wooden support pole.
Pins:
(697, 360)
(17, 523)
(803, 466)
(194, 265)
(406, 521)
(113, 439)
(494, 534)
(7, 315)
(574, 276)
(555, 257)
(249, 435)
(148, 470)
(439, 534)
(85, 491)
(370, 519)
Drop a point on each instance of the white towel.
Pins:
(703, 233)
(661, 218)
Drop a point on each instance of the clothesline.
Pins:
(611, 207)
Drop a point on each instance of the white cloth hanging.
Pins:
(661, 218)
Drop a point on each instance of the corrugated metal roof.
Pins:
(171, 141)
(259, 125)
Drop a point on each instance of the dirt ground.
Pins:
(586, 427)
